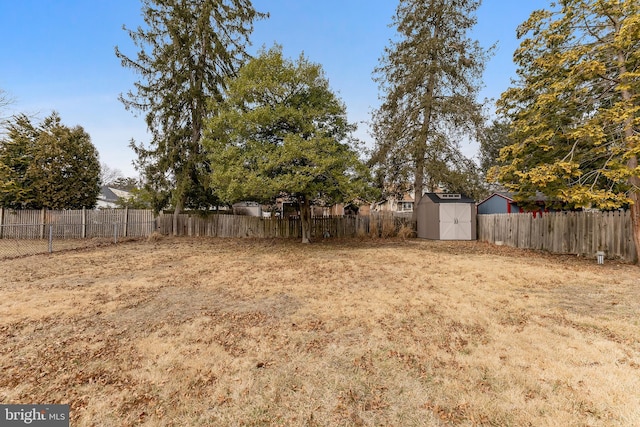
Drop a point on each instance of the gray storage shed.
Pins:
(443, 216)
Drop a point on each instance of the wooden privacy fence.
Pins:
(75, 224)
(85, 223)
(579, 233)
(378, 225)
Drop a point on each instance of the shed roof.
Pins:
(438, 198)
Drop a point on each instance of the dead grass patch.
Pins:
(368, 332)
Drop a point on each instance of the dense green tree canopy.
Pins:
(48, 166)
(187, 48)
(16, 161)
(281, 131)
(494, 138)
(430, 78)
(576, 107)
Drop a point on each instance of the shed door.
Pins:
(455, 221)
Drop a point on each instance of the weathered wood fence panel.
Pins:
(580, 233)
(75, 224)
(222, 225)
(21, 224)
(85, 223)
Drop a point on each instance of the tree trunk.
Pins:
(176, 213)
(421, 150)
(632, 163)
(305, 219)
(418, 183)
(635, 206)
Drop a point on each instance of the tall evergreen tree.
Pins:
(493, 139)
(576, 107)
(48, 166)
(430, 78)
(16, 158)
(187, 48)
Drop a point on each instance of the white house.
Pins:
(392, 204)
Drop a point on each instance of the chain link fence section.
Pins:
(18, 240)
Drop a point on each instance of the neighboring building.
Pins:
(247, 208)
(357, 207)
(498, 203)
(318, 211)
(364, 210)
(109, 196)
(503, 203)
(392, 204)
(445, 216)
(287, 208)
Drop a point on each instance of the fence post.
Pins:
(115, 232)
(42, 219)
(126, 220)
(50, 238)
(1, 221)
(84, 223)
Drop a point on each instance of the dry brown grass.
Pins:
(209, 332)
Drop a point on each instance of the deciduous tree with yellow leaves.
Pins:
(575, 107)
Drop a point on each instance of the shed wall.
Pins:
(428, 219)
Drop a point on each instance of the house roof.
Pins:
(504, 194)
(111, 195)
(539, 197)
(406, 197)
(107, 195)
(120, 193)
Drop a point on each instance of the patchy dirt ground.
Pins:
(210, 332)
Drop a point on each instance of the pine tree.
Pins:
(187, 48)
(430, 78)
(493, 139)
(575, 108)
(67, 169)
(48, 166)
(16, 157)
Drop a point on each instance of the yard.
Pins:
(214, 332)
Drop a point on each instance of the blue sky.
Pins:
(59, 55)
